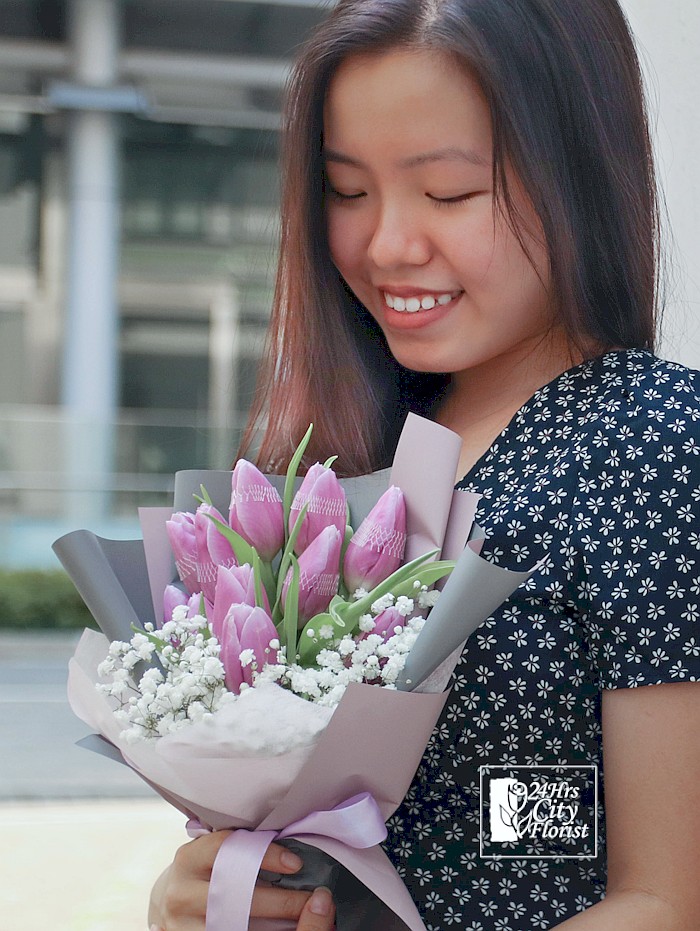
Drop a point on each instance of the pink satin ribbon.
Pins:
(356, 822)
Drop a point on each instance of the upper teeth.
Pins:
(412, 304)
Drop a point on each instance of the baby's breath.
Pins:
(187, 685)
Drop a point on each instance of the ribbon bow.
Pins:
(356, 822)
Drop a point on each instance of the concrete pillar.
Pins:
(91, 333)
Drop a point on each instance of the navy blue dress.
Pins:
(599, 473)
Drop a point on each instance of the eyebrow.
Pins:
(445, 154)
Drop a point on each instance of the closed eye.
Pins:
(339, 195)
(457, 199)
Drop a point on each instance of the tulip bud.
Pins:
(324, 495)
(385, 624)
(257, 634)
(213, 549)
(235, 585)
(377, 548)
(318, 574)
(246, 628)
(256, 510)
(181, 534)
(172, 598)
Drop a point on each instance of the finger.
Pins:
(275, 902)
(197, 857)
(319, 912)
(184, 901)
(279, 859)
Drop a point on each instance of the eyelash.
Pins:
(438, 201)
(336, 195)
(450, 201)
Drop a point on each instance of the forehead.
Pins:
(416, 92)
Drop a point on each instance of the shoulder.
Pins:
(636, 402)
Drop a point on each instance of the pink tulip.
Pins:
(256, 510)
(181, 534)
(231, 655)
(234, 585)
(213, 549)
(257, 633)
(246, 628)
(318, 574)
(172, 598)
(386, 624)
(376, 549)
(325, 497)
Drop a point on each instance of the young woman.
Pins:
(469, 230)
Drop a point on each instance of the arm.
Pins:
(651, 748)
(179, 897)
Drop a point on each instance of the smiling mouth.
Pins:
(412, 305)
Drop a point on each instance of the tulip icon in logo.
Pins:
(506, 799)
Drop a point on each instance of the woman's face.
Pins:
(411, 219)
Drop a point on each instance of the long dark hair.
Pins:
(563, 83)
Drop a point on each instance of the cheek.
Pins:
(343, 242)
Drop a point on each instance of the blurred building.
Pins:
(138, 215)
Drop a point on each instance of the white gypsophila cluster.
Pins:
(188, 686)
(371, 658)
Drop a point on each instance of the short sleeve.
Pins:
(637, 525)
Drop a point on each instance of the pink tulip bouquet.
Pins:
(270, 694)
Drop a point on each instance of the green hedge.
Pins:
(41, 600)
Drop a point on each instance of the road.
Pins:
(38, 730)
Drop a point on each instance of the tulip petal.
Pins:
(327, 506)
(257, 633)
(180, 529)
(213, 550)
(256, 510)
(231, 656)
(234, 585)
(319, 574)
(377, 548)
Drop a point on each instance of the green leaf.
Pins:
(292, 474)
(257, 579)
(243, 551)
(291, 613)
(356, 609)
(342, 587)
(286, 559)
(204, 499)
(428, 575)
(329, 462)
(311, 643)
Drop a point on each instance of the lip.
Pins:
(400, 320)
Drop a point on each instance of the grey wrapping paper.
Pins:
(474, 590)
(103, 571)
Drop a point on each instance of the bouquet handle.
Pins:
(356, 823)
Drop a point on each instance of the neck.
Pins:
(482, 400)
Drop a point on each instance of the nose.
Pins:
(397, 239)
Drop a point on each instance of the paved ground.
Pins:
(83, 866)
(82, 838)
